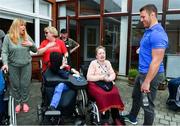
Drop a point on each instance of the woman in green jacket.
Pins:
(16, 60)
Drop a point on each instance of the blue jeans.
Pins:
(173, 86)
(57, 94)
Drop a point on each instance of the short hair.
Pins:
(55, 61)
(100, 47)
(149, 8)
(52, 30)
(63, 30)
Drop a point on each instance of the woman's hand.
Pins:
(107, 79)
(5, 68)
(27, 43)
(102, 77)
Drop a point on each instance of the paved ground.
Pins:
(163, 116)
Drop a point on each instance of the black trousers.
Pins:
(114, 114)
(149, 113)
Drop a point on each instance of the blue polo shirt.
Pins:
(153, 38)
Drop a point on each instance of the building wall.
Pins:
(116, 25)
(37, 13)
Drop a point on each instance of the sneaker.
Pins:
(131, 119)
(18, 108)
(25, 107)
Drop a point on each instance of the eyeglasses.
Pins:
(46, 32)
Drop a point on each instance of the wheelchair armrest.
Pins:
(52, 79)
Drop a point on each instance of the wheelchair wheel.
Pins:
(93, 119)
(94, 114)
(11, 111)
(81, 102)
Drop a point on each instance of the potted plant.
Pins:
(132, 73)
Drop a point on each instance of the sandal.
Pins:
(18, 108)
(25, 107)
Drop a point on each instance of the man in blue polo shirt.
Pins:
(151, 68)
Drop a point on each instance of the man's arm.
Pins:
(157, 58)
(76, 46)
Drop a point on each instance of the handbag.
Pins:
(107, 86)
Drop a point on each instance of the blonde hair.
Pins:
(52, 30)
(14, 30)
(100, 47)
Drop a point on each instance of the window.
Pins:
(67, 10)
(26, 5)
(115, 41)
(115, 6)
(174, 4)
(137, 4)
(89, 7)
(44, 8)
(173, 31)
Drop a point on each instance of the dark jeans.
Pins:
(137, 100)
(1, 103)
(173, 86)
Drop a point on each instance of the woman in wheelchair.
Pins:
(101, 88)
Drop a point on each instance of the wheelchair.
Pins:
(73, 102)
(93, 110)
(95, 114)
(7, 113)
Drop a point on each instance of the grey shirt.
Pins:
(16, 54)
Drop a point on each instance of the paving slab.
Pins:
(163, 115)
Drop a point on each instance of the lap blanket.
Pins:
(105, 100)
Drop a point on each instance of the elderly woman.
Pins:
(16, 59)
(100, 70)
(51, 44)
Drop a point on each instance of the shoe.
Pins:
(105, 124)
(25, 107)
(119, 122)
(18, 108)
(130, 118)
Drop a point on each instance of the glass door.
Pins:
(89, 37)
(91, 42)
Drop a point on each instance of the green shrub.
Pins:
(132, 73)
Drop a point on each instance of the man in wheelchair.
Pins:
(60, 68)
(60, 87)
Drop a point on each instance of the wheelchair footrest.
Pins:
(52, 113)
